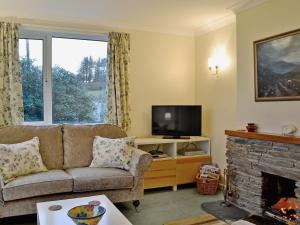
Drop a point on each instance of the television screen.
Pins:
(176, 120)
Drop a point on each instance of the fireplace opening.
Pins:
(279, 199)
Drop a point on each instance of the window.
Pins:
(31, 59)
(64, 77)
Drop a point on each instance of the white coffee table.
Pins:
(112, 215)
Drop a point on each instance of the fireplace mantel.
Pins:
(264, 136)
(252, 155)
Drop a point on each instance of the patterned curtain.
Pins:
(11, 97)
(117, 102)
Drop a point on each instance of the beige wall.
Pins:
(172, 69)
(217, 94)
(162, 72)
(228, 101)
(162, 69)
(270, 18)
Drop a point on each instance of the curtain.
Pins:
(117, 101)
(11, 97)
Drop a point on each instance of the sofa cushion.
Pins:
(44, 183)
(113, 153)
(20, 159)
(95, 179)
(78, 142)
(50, 137)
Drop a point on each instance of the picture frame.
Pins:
(277, 67)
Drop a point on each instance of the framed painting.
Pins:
(277, 67)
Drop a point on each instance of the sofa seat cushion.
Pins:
(96, 179)
(39, 184)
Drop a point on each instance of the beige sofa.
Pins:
(67, 152)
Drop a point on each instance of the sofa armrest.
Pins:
(139, 164)
(1, 191)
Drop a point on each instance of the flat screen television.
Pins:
(177, 121)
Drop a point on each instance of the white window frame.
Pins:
(46, 35)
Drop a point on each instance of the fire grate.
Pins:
(279, 200)
(276, 215)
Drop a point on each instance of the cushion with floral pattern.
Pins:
(114, 153)
(20, 159)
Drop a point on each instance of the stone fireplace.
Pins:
(275, 187)
(266, 171)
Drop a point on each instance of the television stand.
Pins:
(176, 137)
(176, 168)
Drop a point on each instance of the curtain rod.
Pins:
(56, 25)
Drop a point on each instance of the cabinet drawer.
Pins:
(160, 173)
(163, 165)
(193, 159)
(159, 182)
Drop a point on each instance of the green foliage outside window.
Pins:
(32, 82)
(77, 98)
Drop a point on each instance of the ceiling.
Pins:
(167, 16)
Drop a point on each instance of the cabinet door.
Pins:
(188, 167)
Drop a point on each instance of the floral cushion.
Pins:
(20, 159)
(114, 153)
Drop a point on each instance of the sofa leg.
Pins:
(136, 204)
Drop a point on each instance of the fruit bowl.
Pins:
(86, 214)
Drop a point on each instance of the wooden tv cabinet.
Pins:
(175, 169)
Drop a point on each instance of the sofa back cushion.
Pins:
(50, 138)
(78, 142)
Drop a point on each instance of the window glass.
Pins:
(78, 80)
(31, 59)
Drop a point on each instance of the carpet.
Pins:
(228, 214)
(199, 220)
(157, 207)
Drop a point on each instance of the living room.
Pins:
(171, 53)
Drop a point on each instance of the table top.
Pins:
(47, 217)
(155, 140)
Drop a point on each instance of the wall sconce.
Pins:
(218, 61)
(213, 67)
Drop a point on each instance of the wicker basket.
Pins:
(207, 186)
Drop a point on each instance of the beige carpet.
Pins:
(199, 220)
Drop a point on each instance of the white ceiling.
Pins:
(168, 16)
